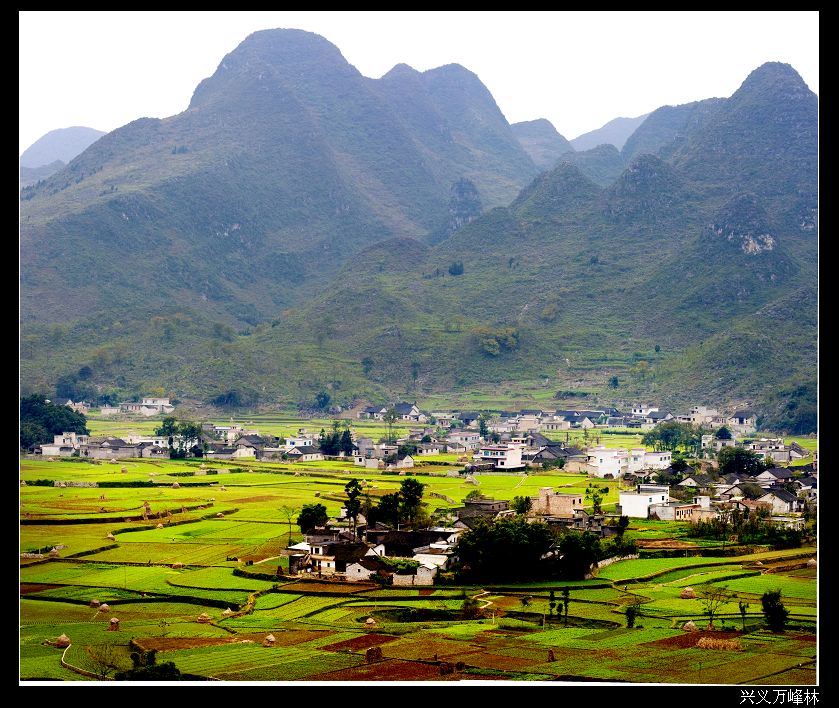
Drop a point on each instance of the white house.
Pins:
(504, 457)
(637, 504)
(304, 453)
(657, 460)
(64, 445)
(466, 438)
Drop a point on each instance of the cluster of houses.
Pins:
(147, 407)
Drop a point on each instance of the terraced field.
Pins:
(322, 631)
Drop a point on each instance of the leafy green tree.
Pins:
(740, 460)
(410, 499)
(614, 382)
(632, 611)
(596, 497)
(566, 599)
(744, 607)
(353, 503)
(473, 495)
(367, 365)
(551, 603)
(289, 512)
(723, 434)
(774, 611)
(507, 549)
(346, 442)
(525, 601)
(388, 509)
(622, 526)
(470, 608)
(390, 417)
(41, 419)
(671, 435)
(483, 428)
(579, 551)
(322, 400)
(521, 505)
(312, 515)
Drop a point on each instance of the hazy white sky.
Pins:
(577, 69)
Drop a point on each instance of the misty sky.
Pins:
(577, 69)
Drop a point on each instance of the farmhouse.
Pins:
(637, 504)
(550, 503)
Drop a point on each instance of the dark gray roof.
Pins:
(403, 408)
(658, 415)
(783, 495)
(306, 450)
(780, 472)
(745, 413)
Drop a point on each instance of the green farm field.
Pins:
(321, 631)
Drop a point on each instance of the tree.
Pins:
(525, 601)
(739, 460)
(366, 365)
(521, 505)
(614, 382)
(551, 603)
(353, 504)
(289, 512)
(41, 419)
(390, 417)
(106, 659)
(671, 435)
(596, 497)
(723, 434)
(712, 598)
(473, 495)
(622, 526)
(508, 549)
(774, 611)
(410, 498)
(168, 428)
(346, 442)
(631, 613)
(312, 515)
(322, 400)
(566, 593)
(456, 268)
(579, 551)
(470, 609)
(387, 510)
(744, 606)
(483, 428)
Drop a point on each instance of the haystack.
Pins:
(317, 494)
(95, 603)
(110, 536)
(370, 622)
(113, 461)
(54, 554)
(124, 470)
(104, 607)
(222, 488)
(22, 483)
(269, 641)
(177, 564)
(175, 485)
(219, 515)
(202, 466)
(63, 641)
(689, 626)
(159, 526)
(114, 625)
(227, 612)
(758, 563)
(688, 594)
(812, 563)
(203, 618)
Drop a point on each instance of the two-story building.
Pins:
(637, 504)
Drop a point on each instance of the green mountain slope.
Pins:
(542, 142)
(301, 228)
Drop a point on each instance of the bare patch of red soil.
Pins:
(29, 588)
(388, 670)
(364, 641)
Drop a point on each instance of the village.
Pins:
(652, 484)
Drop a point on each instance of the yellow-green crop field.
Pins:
(221, 545)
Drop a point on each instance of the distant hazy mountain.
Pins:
(304, 229)
(542, 142)
(62, 144)
(667, 125)
(615, 132)
(31, 175)
(602, 164)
